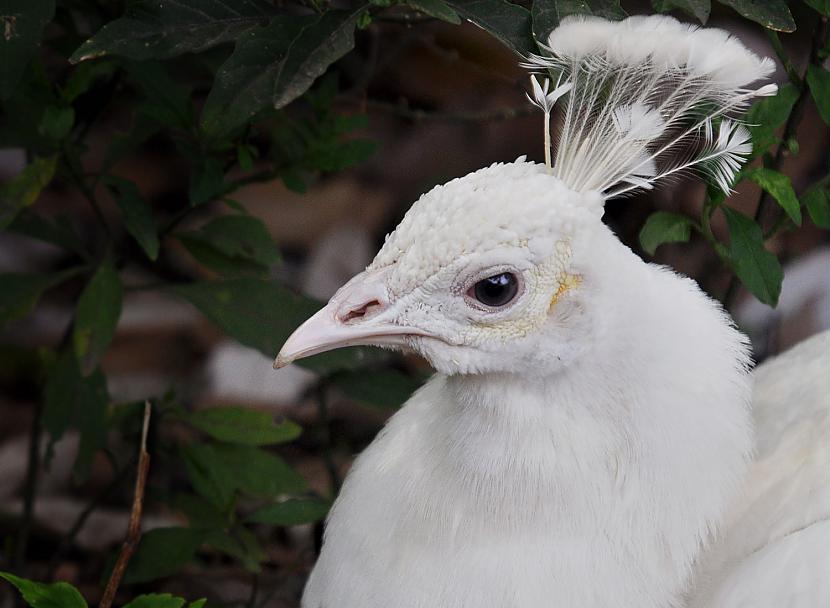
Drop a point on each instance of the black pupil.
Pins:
(497, 290)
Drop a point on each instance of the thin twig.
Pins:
(134, 527)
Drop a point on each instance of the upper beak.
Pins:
(358, 314)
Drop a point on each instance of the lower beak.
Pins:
(338, 324)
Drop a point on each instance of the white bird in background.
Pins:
(587, 440)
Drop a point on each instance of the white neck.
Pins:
(635, 449)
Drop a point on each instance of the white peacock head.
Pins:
(485, 269)
(474, 276)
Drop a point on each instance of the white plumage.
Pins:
(646, 92)
(589, 430)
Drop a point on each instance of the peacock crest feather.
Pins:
(645, 99)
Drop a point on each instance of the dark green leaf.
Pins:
(22, 23)
(197, 603)
(217, 471)
(240, 544)
(822, 6)
(780, 188)
(138, 218)
(607, 9)
(259, 473)
(59, 233)
(162, 552)
(772, 14)
(292, 512)
(23, 190)
(42, 595)
(96, 315)
(166, 101)
(209, 475)
(200, 513)
(508, 22)
(20, 292)
(56, 122)
(818, 80)
(84, 76)
(338, 156)
(155, 30)
(244, 84)
(758, 269)
(244, 157)
(207, 180)
(243, 426)
(235, 238)
(817, 202)
(664, 227)
(317, 47)
(156, 600)
(547, 14)
(293, 181)
(383, 388)
(436, 8)
(768, 114)
(212, 258)
(71, 399)
(698, 9)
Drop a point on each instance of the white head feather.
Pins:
(645, 95)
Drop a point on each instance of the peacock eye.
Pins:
(495, 291)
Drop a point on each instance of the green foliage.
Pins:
(157, 30)
(21, 292)
(244, 84)
(243, 426)
(74, 400)
(508, 22)
(22, 23)
(230, 244)
(161, 552)
(781, 188)
(96, 315)
(817, 202)
(64, 595)
(758, 269)
(291, 512)
(23, 190)
(664, 227)
(40, 595)
(772, 14)
(768, 114)
(436, 8)
(818, 80)
(699, 9)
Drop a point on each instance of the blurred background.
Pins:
(155, 243)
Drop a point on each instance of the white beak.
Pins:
(358, 314)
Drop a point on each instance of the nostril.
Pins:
(364, 311)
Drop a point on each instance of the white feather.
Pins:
(641, 92)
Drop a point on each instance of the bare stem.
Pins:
(134, 527)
